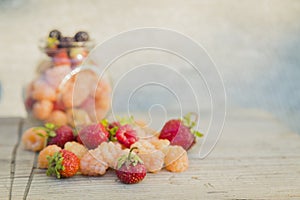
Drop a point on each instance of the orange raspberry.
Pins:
(42, 109)
(43, 91)
(34, 139)
(176, 159)
(58, 118)
(46, 152)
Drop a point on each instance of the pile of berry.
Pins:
(127, 146)
(50, 101)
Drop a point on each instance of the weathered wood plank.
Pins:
(206, 179)
(256, 158)
(9, 142)
(25, 161)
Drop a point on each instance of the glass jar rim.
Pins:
(87, 44)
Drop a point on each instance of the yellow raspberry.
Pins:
(143, 146)
(159, 144)
(93, 164)
(110, 153)
(153, 159)
(78, 149)
(176, 159)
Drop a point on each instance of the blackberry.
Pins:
(55, 34)
(81, 36)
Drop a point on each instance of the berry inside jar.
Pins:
(52, 95)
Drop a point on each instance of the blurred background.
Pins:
(254, 43)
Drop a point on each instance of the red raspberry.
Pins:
(126, 135)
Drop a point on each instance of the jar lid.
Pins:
(56, 41)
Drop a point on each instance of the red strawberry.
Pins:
(63, 164)
(93, 135)
(180, 132)
(126, 135)
(130, 168)
(59, 136)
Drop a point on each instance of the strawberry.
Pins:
(93, 135)
(63, 164)
(180, 132)
(126, 135)
(130, 168)
(59, 136)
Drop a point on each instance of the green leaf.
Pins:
(191, 123)
(41, 135)
(75, 132)
(39, 128)
(121, 161)
(104, 122)
(52, 42)
(139, 160)
(55, 164)
(51, 134)
(50, 126)
(113, 130)
(197, 133)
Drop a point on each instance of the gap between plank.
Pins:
(28, 185)
(13, 157)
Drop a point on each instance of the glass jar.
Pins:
(64, 92)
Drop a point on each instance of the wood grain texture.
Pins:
(9, 142)
(256, 158)
(25, 163)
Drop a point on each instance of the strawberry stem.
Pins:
(129, 155)
(191, 123)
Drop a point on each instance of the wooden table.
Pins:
(256, 158)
